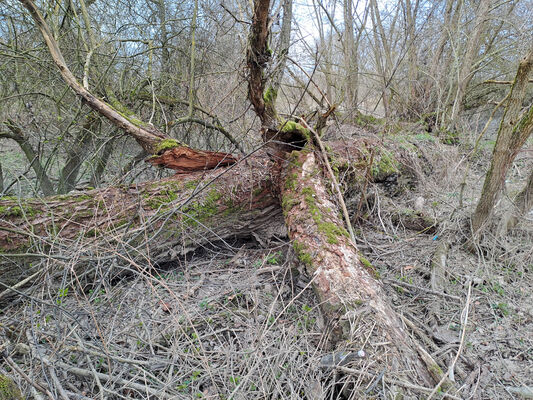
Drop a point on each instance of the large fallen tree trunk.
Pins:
(346, 284)
(155, 221)
(177, 214)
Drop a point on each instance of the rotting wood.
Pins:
(344, 282)
(178, 214)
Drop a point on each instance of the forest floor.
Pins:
(242, 322)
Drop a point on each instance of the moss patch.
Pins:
(384, 166)
(201, 211)
(291, 126)
(365, 120)
(17, 211)
(369, 267)
(291, 181)
(302, 254)
(309, 197)
(166, 144)
(287, 203)
(161, 198)
(190, 185)
(270, 95)
(332, 231)
(8, 389)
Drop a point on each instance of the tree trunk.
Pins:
(284, 45)
(33, 158)
(413, 104)
(522, 204)
(178, 214)
(514, 131)
(76, 154)
(350, 58)
(346, 284)
(472, 49)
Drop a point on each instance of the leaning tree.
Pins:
(289, 186)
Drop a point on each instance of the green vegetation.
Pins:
(291, 126)
(17, 211)
(502, 308)
(384, 166)
(166, 144)
(200, 211)
(365, 120)
(291, 181)
(274, 258)
(329, 229)
(8, 389)
(449, 137)
(369, 267)
(332, 231)
(287, 203)
(301, 253)
(270, 95)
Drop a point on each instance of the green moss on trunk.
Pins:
(166, 144)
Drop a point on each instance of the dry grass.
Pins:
(242, 322)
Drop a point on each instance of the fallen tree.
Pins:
(179, 214)
(156, 221)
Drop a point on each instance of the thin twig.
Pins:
(13, 365)
(404, 384)
(461, 343)
(423, 289)
(335, 183)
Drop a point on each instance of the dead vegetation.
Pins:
(239, 320)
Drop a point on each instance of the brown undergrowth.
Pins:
(239, 320)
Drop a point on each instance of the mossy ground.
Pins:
(8, 389)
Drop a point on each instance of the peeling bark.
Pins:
(184, 159)
(346, 284)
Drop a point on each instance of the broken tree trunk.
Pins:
(348, 287)
(151, 139)
(155, 220)
(146, 224)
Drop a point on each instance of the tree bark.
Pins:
(472, 49)
(412, 65)
(178, 214)
(350, 58)
(347, 285)
(522, 204)
(76, 153)
(33, 158)
(513, 132)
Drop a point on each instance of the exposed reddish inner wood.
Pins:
(184, 159)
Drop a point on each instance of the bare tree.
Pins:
(467, 71)
(514, 130)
